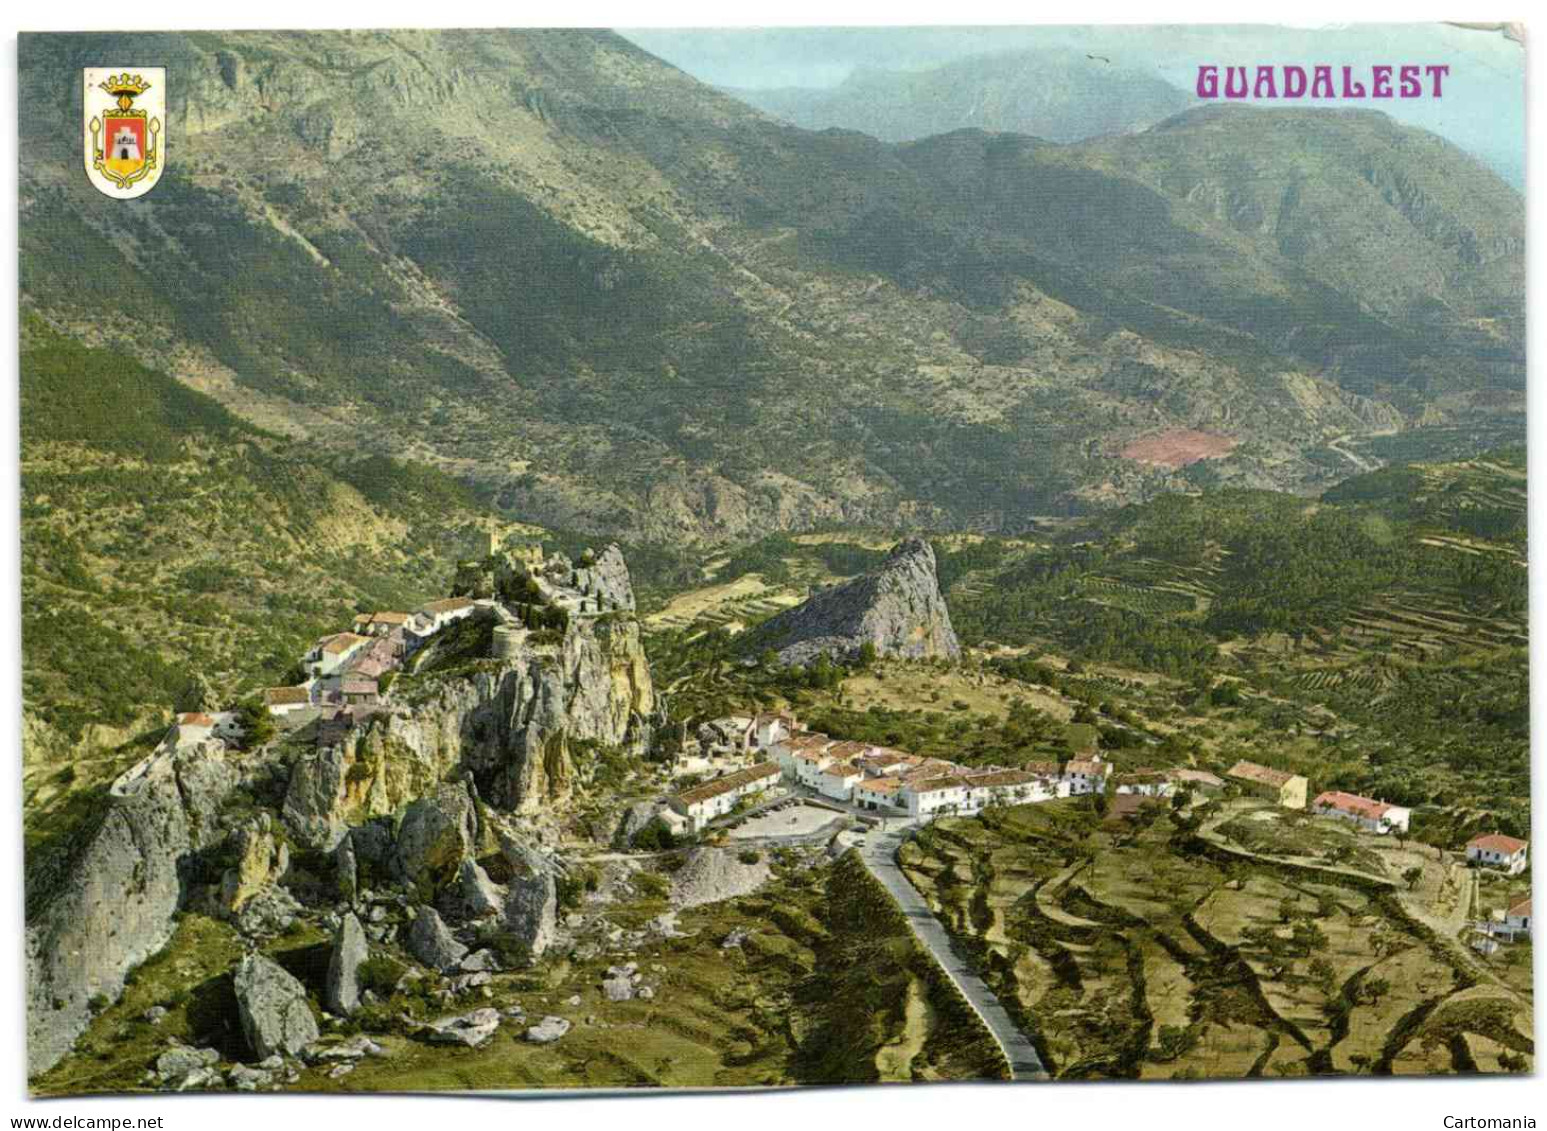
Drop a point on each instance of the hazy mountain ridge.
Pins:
(616, 300)
(1058, 95)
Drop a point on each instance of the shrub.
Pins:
(381, 974)
(749, 856)
(652, 885)
(655, 837)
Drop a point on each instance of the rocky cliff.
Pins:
(110, 906)
(898, 608)
(469, 761)
(510, 722)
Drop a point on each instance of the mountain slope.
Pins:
(616, 301)
(1056, 95)
(176, 557)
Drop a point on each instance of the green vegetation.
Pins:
(1136, 948)
(175, 558)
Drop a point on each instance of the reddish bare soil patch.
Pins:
(1177, 448)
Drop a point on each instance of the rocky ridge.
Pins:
(432, 822)
(897, 608)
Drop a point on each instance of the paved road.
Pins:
(879, 852)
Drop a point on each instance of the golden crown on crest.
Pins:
(126, 87)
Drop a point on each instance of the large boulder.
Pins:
(350, 950)
(436, 834)
(431, 942)
(531, 911)
(897, 608)
(468, 1029)
(275, 1014)
(472, 895)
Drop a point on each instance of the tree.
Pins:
(867, 654)
(256, 723)
(1412, 876)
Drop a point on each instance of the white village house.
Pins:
(331, 653)
(701, 804)
(1367, 813)
(1518, 918)
(283, 701)
(1495, 850)
(1086, 775)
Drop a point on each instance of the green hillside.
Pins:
(174, 556)
(619, 302)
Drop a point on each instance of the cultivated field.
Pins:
(1140, 948)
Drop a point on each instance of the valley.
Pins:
(520, 585)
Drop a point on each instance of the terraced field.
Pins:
(1141, 950)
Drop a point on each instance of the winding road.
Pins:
(879, 852)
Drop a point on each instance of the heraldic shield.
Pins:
(125, 113)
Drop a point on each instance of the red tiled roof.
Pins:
(285, 696)
(932, 785)
(341, 642)
(1366, 807)
(194, 719)
(1202, 777)
(447, 605)
(1080, 766)
(1000, 778)
(1521, 910)
(1262, 775)
(809, 742)
(729, 782)
(880, 785)
(1497, 842)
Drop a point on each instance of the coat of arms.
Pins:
(125, 112)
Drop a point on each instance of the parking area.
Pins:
(792, 818)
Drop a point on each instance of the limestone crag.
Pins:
(898, 608)
(112, 905)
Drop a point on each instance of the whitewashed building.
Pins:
(1084, 775)
(717, 797)
(1518, 918)
(1495, 850)
(932, 796)
(880, 793)
(1367, 813)
(1145, 783)
(287, 700)
(331, 653)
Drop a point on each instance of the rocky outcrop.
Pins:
(258, 860)
(431, 942)
(437, 833)
(710, 875)
(898, 608)
(110, 906)
(532, 905)
(512, 725)
(473, 895)
(350, 951)
(273, 1008)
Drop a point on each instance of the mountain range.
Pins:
(1057, 95)
(613, 300)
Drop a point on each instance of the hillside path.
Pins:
(879, 852)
